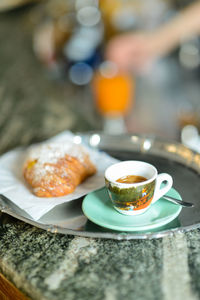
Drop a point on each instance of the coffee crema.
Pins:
(131, 179)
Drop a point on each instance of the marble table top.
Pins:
(54, 266)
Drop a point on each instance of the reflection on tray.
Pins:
(90, 226)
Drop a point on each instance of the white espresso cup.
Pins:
(135, 185)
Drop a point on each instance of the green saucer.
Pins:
(98, 208)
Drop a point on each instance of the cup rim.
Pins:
(136, 184)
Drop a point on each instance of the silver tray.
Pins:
(171, 157)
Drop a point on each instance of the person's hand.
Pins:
(133, 51)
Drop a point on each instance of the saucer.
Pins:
(98, 208)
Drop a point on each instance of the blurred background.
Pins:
(54, 74)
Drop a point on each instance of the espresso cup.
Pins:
(135, 198)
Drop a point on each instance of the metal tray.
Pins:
(171, 157)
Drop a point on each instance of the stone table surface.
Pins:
(51, 266)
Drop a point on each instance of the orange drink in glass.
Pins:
(113, 90)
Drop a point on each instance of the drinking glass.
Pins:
(113, 93)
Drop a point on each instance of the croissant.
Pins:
(54, 170)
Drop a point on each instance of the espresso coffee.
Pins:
(131, 179)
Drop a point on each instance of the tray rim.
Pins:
(193, 156)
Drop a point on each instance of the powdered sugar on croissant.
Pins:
(55, 169)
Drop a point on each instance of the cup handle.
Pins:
(159, 192)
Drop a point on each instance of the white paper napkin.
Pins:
(14, 187)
